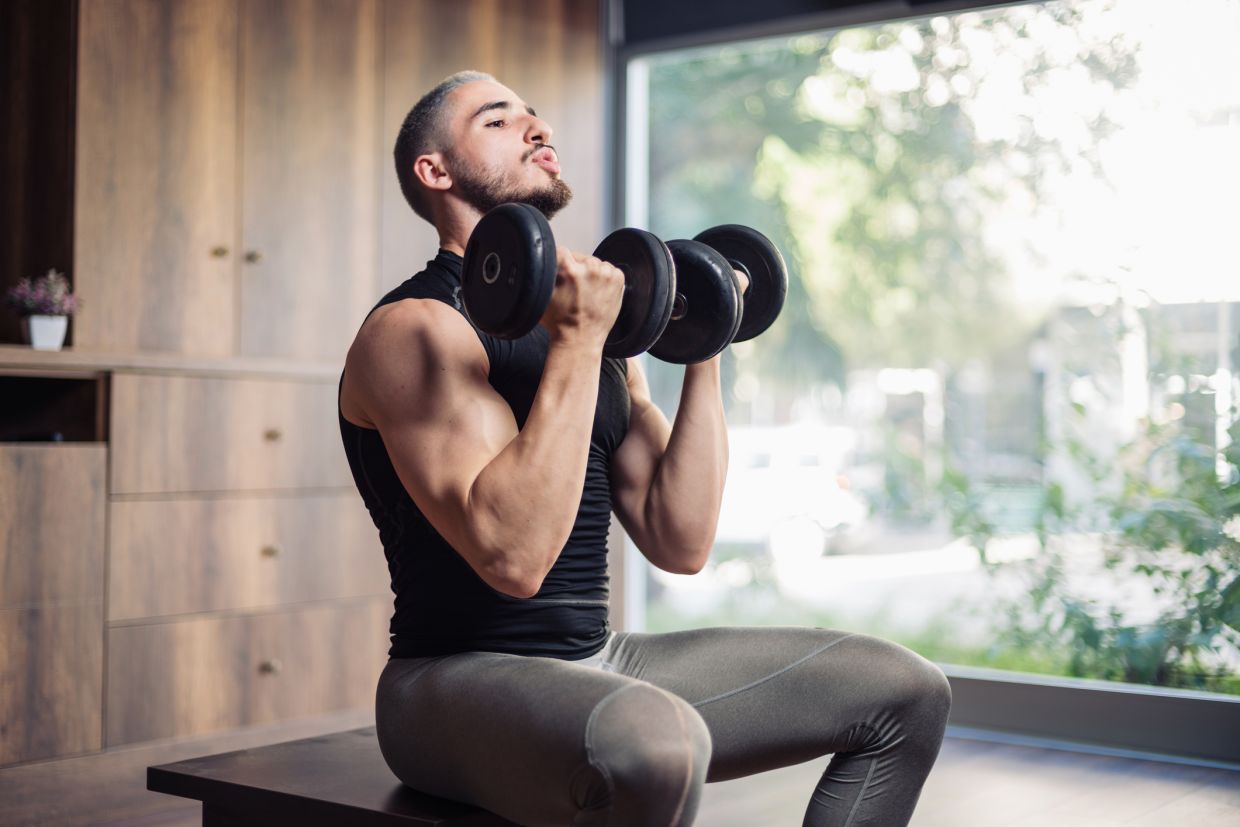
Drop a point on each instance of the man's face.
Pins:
(499, 151)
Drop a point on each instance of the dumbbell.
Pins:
(508, 275)
(708, 310)
(509, 269)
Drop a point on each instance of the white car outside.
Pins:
(786, 485)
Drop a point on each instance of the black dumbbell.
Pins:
(509, 273)
(708, 309)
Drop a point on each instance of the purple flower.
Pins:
(47, 295)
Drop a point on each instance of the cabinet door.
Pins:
(310, 172)
(155, 202)
(51, 599)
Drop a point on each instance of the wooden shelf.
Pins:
(20, 360)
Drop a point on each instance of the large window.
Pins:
(996, 420)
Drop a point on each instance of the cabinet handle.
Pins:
(270, 666)
(272, 434)
(219, 252)
(270, 551)
(253, 257)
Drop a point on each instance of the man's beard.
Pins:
(484, 192)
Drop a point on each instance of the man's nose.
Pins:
(539, 131)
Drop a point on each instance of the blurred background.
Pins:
(995, 421)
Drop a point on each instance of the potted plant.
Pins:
(45, 305)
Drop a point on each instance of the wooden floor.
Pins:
(974, 784)
(984, 784)
(108, 789)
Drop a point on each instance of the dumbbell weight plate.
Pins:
(509, 271)
(649, 282)
(705, 307)
(768, 275)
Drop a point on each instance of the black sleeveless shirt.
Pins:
(442, 606)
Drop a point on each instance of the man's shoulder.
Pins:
(405, 348)
(422, 323)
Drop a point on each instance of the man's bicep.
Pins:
(636, 461)
(440, 420)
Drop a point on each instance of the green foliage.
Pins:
(1174, 523)
(859, 152)
(967, 511)
(937, 639)
(904, 497)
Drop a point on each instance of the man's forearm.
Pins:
(687, 490)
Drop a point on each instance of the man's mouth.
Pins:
(545, 158)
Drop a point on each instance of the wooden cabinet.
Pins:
(243, 579)
(246, 582)
(206, 674)
(227, 189)
(52, 501)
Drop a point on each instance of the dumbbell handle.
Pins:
(748, 279)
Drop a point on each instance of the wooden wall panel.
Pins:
(155, 212)
(310, 172)
(547, 51)
(180, 556)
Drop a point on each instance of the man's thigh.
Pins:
(504, 732)
(770, 696)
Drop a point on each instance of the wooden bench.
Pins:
(337, 779)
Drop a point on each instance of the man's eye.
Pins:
(496, 123)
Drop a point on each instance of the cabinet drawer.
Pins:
(189, 433)
(182, 556)
(195, 676)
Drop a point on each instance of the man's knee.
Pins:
(917, 686)
(651, 750)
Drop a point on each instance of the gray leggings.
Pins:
(628, 737)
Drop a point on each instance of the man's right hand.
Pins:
(586, 299)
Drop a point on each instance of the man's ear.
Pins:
(431, 171)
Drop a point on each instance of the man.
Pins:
(491, 467)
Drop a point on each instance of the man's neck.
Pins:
(455, 222)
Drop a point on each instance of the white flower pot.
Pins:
(46, 332)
